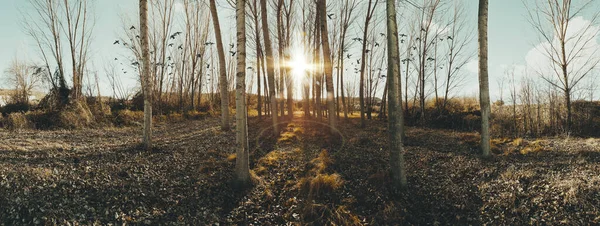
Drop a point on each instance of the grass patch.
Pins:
(231, 157)
(287, 138)
(271, 159)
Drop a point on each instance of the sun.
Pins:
(298, 64)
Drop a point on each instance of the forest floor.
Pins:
(302, 176)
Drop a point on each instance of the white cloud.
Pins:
(473, 66)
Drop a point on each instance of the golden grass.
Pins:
(270, 159)
(231, 157)
(535, 147)
(286, 137)
(321, 162)
(518, 142)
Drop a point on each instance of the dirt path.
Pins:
(285, 174)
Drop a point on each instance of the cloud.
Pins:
(473, 66)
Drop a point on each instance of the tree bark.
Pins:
(331, 116)
(147, 79)
(370, 10)
(242, 167)
(396, 121)
(484, 91)
(270, 65)
(222, 69)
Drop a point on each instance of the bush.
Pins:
(17, 121)
(43, 120)
(76, 115)
(100, 111)
(129, 118)
(14, 108)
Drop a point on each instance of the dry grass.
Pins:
(231, 157)
(76, 115)
(130, 118)
(17, 121)
(512, 173)
(518, 142)
(271, 159)
(287, 137)
(321, 163)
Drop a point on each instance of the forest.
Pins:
(301, 112)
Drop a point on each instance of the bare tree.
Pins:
(52, 20)
(270, 64)
(23, 78)
(457, 39)
(396, 119)
(346, 18)
(146, 75)
(78, 30)
(222, 68)
(484, 90)
(242, 167)
(370, 11)
(327, 65)
(571, 52)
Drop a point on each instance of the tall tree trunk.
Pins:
(484, 91)
(328, 66)
(259, 64)
(222, 69)
(270, 64)
(396, 121)
(370, 10)
(147, 79)
(242, 167)
(317, 74)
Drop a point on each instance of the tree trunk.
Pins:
(396, 121)
(328, 67)
(242, 167)
(484, 91)
(363, 63)
(317, 74)
(147, 79)
(222, 69)
(270, 66)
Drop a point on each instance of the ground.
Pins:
(302, 176)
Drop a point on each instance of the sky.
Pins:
(511, 37)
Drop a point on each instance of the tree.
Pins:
(345, 20)
(396, 119)
(79, 33)
(484, 90)
(23, 78)
(427, 36)
(457, 41)
(222, 68)
(568, 48)
(370, 11)
(242, 167)
(270, 64)
(327, 65)
(146, 77)
(47, 25)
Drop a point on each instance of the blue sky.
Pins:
(510, 35)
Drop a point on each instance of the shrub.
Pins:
(195, 115)
(129, 118)
(76, 115)
(14, 108)
(43, 120)
(17, 121)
